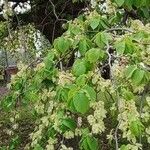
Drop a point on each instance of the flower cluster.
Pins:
(96, 120)
(65, 78)
(51, 143)
(128, 114)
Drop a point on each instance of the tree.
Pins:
(45, 15)
(100, 100)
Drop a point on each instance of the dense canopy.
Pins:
(84, 73)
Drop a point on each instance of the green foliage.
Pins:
(61, 44)
(94, 54)
(81, 103)
(101, 39)
(89, 143)
(74, 101)
(136, 128)
(79, 67)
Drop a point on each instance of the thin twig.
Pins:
(114, 29)
(116, 136)
(54, 11)
(122, 29)
(54, 27)
(109, 59)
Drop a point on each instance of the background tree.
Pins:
(100, 100)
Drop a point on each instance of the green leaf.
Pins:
(89, 66)
(85, 132)
(123, 147)
(130, 70)
(62, 44)
(138, 76)
(51, 132)
(62, 94)
(129, 46)
(137, 3)
(145, 11)
(81, 80)
(119, 2)
(127, 94)
(128, 4)
(74, 29)
(104, 23)
(92, 143)
(94, 22)
(136, 128)
(93, 55)
(84, 145)
(31, 96)
(101, 39)
(79, 67)
(81, 103)
(89, 143)
(49, 61)
(73, 90)
(71, 106)
(91, 92)
(120, 47)
(69, 123)
(83, 46)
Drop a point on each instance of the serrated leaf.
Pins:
(74, 29)
(136, 128)
(79, 67)
(91, 92)
(62, 44)
(62, 94)
(31, 96)
(138, 76)
(84, 144)
(119, 2)
(69, 123)
(104, 23)
(129, 46)
(120, 47)
(85, 132)
(71, 106)
(130, 70)
(92, 143)
(128, 4)
(73, 89)
(83, 46)
(101, 39)
(93, 55)
(127, 94)
(123, 147)
(94, 22)
(81, 80)
(81, 103)
(89, 66)
(51, 132)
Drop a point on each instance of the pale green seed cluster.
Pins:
(128, 113)
(65, 78)
(63, 147)
(133, 147)
(96, 120)
(69, 134)
(51, 142)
